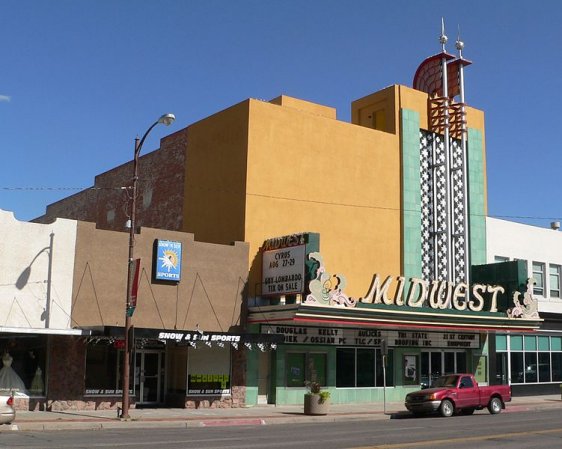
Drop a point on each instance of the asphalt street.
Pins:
(539, 429)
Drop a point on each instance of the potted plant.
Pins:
(316, 401)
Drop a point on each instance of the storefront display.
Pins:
(23, 366)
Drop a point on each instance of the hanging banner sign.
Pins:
(372, 337)
(135, 271)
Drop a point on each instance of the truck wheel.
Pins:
(495, 406)
(447, 409)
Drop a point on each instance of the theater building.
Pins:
(394, 202)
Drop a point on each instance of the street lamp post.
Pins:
(166, 119)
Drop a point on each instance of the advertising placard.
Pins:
(283, 271)
(168, 261)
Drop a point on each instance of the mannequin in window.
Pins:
(37, 385)
(9, 379)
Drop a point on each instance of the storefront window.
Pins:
(557, 366)
(501, 368)
(304, 367)
(450, 363)
(295, 371)
(544, 367)
(437, 363)
(103, 370)
(530, 343)
(316, 368)
(208, 371)
(345, 367)
(365, 371)
(516, 342)
(531, 368)
(533, 359)
(359, 367)
(516, 367)
(23, 365)
(501, 342)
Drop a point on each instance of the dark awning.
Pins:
(186, 336)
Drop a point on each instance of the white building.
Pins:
(532, 363)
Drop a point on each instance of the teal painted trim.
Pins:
(476, 197)
(411, 193)
(252, 368)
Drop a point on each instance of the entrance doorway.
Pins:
(149, 376)
(438, 363)
(263, 377)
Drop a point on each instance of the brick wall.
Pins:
(65, 372)
(160, 192)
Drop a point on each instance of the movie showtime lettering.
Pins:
(372, 337)
(283, 271)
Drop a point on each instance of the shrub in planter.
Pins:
(316, 400)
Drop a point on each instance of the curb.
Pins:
(40, 425)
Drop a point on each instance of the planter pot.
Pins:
(314, 406)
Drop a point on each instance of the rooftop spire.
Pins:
(459, 44)
(443, 37)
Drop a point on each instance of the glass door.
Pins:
(150, 376)
(437, 363)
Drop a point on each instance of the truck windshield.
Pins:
(446, 381)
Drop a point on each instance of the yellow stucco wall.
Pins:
(310, 173)
(393, 98)
(266, 169)
(215, 184)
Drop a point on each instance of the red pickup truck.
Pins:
(458, 393)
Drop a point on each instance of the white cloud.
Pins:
(4, 98)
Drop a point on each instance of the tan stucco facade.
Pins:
(210, 293)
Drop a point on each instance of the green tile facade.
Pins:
(476, 198)
(411, 195)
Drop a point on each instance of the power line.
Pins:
(330, 203)
(394, 209)
(32, 189)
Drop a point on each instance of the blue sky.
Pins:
(80, 79)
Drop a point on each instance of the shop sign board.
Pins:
(283, 271)
(373, 337)
(214, 384)
(167, 262)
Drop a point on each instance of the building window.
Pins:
(24, 359)
(554, 280)
(208, 371)
(499, 259)
(103, 363)
(361, 367)
(531, 359)
(538, 277)
(304, 367)
(438, 363)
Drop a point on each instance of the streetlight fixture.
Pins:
(166, 119)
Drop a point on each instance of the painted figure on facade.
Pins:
(529, 308)
(326, 289)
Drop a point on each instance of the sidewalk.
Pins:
(257, 415)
